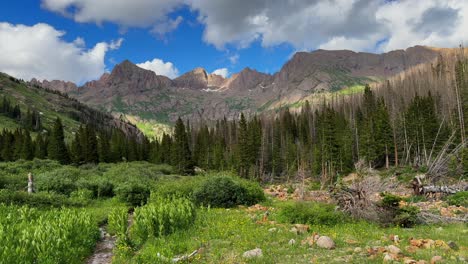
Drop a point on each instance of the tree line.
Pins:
(405, 121)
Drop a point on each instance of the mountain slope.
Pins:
(51, 104)
(144, 96)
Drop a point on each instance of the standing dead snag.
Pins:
(30, 183)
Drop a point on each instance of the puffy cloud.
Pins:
(306, 25)
(161, 28)
(223, 72)
(135, 13)
(160, 67)
(338, 24)
(39, 51)
(431, 22)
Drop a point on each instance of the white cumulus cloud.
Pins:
(39, 51)
(222, 71)
(160, 67)
(125, 13)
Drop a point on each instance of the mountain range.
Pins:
(146, 96)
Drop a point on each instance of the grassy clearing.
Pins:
(352, 90)
(224, 234)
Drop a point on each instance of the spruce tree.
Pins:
(181, 151)
(243, 147)
(57, 150)
(27, 150)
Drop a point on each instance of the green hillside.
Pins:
(50, 105)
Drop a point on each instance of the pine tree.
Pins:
(57, 150)
(27, 150)
(181, 151)
(40, 147)
(243, 147)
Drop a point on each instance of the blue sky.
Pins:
(78, 40)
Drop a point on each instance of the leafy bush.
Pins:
(178, 186)
(458, 199)
(61, 181)
(82, 196)
(310, 213)
(41, 199)
(98, 185)
(133, 193)
(226, 192)
(54, 236)
(162, 217)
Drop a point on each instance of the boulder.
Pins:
(325, 242)
(436, 259)
(254, 253)
(393, 250)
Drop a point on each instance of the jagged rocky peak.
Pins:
(198, 79)
(247, 79)
(57, 85)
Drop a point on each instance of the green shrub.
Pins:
(133, 193)
(310, 213)
(390, 200)
(226, 192)
(253, 193)
(82, 196)
(406, 216)
(61, 181)
(458, 199)
(182, 186)
(393, 213)
(40, 199)
(100, 186)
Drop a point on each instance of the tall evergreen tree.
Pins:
(57, 150)
(181, 151)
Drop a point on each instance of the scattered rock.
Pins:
(254, 253)
(294, 230)
(292, 242)
(273, 229)
(407, 260)
(357, 250)
(436, 259)
(325, 242)
(453, 245)
(393, 250)
(302, 228)
(388, 258)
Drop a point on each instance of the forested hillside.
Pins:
(42, 123)
(414, 119)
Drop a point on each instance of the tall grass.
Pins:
(162, 217)
(28, 235)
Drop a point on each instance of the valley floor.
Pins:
(262, 233)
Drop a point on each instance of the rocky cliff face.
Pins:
(126, 81)
(198, 94)
(57, 85)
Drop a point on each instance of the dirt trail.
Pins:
(103, 251)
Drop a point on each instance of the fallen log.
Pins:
(444, 189)
(421, 189)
